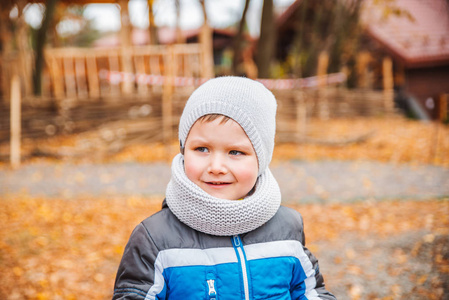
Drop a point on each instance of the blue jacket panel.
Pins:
(166, 259)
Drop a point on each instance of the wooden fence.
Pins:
(297, 108)
(132, 94)
(76, 72)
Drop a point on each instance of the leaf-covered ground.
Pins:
(60, 249)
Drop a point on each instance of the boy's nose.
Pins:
(217, 165)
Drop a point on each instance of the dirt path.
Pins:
(300, 181)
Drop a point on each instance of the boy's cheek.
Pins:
(191, 167)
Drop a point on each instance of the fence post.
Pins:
(92, 76)
(15, 122)
(323, 105)
(388, 83)
(167, 94)
(57, 76)
(363, 60)
(207, 58)
(126, 47)
(443, 108)
(301, 115)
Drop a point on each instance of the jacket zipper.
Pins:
(211, 286)
(237, 242)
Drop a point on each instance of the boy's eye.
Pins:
(201, 149)
(235, 152)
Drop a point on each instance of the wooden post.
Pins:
(323, 63)
(155, 69)
(69, 76)
(207, 62)
(167, 94)
(128, 83)
(363, 59)
(388, 83)
(139, 63)
(443, 108)
(323, 105)
(301, 115)
(114, 65)
(126, 44)
(154, 40)
(24, 49)
(92, 76)
(15, 122)
(80, 75)
(442, 116)
(56, 76)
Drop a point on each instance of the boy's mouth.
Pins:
(217, 183)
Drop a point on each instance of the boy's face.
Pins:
(220, 159)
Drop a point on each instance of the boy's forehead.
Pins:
(218, 122)
(213, 117)
(215, 121)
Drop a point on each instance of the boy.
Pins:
(222, 233)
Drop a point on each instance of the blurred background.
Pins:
(91, 92)
(120, 71)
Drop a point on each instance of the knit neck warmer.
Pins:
(205, 213)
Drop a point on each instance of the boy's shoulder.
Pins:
(286, 224)
(289, 215)
(161, 215)
(157, 222)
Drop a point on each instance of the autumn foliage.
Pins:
(70, 249)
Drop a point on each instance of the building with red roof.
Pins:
(413, 33)
(418, 41)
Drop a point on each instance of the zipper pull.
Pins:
(212, 292)
(211, 286)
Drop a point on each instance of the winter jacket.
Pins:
(166, 259)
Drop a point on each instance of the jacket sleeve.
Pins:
(135, 275)
(308, 282)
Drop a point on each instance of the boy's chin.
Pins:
(223, 195)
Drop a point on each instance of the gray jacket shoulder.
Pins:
(286, 224)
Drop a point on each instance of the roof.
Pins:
(288, 13)
(419, 38)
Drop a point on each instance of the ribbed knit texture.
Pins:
(205, 213)
(246, 101)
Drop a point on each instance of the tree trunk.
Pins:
(154, 39)
(41, 37)
(179, 37)
(266, 45)
(238, 39)
(206, 41)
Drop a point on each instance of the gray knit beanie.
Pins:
(246, 101)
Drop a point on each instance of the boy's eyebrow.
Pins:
(240, 144)
(243, 146)
(199, 140)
